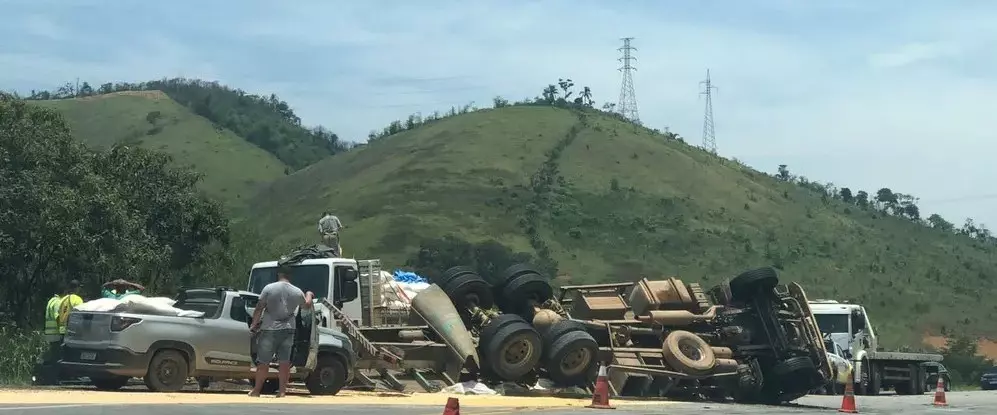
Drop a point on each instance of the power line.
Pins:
(628, 99)
(709, 137)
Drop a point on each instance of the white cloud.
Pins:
(913, 53)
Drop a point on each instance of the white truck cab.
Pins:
(842, 322)
(338, 280)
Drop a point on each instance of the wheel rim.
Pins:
(518, 351)
(576, 361)
(326, 376)
(690, 350)
(167, 371)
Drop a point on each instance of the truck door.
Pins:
(232, 348)
(346, 292)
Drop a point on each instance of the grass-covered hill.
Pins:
(609, 201)
(232, 167)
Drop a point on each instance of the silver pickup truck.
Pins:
(111, 348)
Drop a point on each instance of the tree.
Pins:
(587, 96)
(846, 195)
(550, 94)
(565, 85)
(862, 199)
(68, 212)
(938, 222)
(886, 198)
(784, 173)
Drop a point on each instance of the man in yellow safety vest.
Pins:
(47, 371)
(69, 302)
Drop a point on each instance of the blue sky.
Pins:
(862, 94)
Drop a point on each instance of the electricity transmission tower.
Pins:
(709, 139)
(628, 100)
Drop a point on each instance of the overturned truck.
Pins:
(749, 338)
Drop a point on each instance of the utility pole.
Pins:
(628, 99)
(709, 138)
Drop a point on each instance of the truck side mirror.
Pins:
(349, 288)
(858, 320)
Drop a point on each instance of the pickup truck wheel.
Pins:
(328, 377)
(744, 286)
(109, 383)
(167, 371)
(514, 350)
(689, 353)
(570, 357)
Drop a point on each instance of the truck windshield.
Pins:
(832, 323)
(314, 278)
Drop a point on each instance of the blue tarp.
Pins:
(408, 276)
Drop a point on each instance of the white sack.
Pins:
(469, 388)
(101, 305)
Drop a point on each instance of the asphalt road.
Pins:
(959, 402)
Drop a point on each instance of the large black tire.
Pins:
(328, 378)
(168, 371)
(513, 351)
(513, 272)
(109, 383)
(525, 289)
(744, 287)
(468, 290)
(688, 353)
(796, 374)
(869, 383)
(570, 357)
(452, 273)
(559, 328)
(494, 325)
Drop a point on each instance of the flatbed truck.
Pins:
(849, 327)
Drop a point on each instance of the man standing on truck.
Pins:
(273, 321)
(329, 227)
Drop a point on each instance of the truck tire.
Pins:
(870, 381)
(558, 329)
(167, 371)
(745, 286)
(522, 292)
(328, 378)
(689, 353)
(513, 351)
(468, 290)
(452, 273)
(570, 357)
(795, 374)
(109, 383)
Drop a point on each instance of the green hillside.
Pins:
(232, 167)
(610, 201)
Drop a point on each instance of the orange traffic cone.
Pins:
(940, 393)
(600, 397)
(452, 408)
(848, 401)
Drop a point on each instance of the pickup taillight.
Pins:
(119, 323)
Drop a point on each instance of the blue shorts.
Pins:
(274, 342)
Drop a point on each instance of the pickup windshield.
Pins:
(314, 278)
(832, 323)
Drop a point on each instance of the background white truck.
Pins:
(848, 326)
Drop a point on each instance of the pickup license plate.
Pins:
(88, 355)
